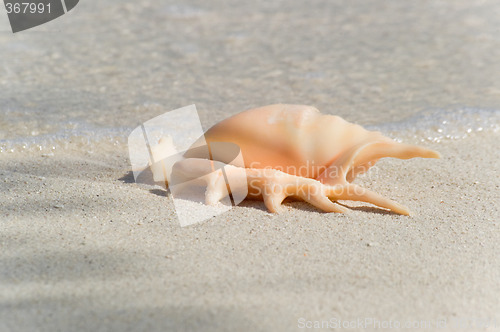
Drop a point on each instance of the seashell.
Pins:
(294, 150)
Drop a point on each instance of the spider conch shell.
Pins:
(302, 150)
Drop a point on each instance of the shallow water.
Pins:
(419, 71)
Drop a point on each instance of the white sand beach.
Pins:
(85, 248)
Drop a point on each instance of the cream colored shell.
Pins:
(294, 150)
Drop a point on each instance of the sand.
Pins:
(85, 248)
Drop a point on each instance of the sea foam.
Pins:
(433, 125)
